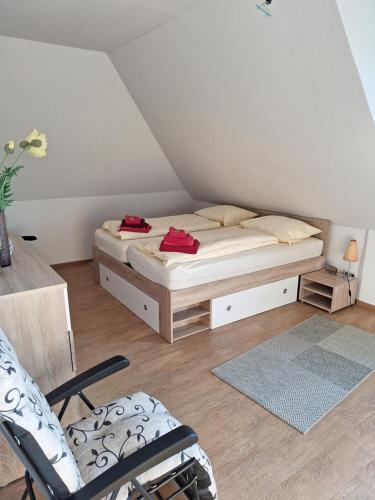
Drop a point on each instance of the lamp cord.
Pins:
(350, 292)
(349, 287)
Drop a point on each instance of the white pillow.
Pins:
(285, 229)
(227, 215)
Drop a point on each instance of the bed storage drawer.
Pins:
(134, 299)
(240, 305)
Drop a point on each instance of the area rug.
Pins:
(301, 374)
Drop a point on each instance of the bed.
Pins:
(193, 297)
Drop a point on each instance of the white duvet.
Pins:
(213, 244)
(160, 226)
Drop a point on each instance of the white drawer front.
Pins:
(134, 299)
(247, 303)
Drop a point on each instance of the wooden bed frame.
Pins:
(180, 307)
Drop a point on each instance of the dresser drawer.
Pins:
(240, 305)
(134, 299)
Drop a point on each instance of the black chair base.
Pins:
(185, 477)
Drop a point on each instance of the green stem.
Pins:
(3, 160)
(17, 158)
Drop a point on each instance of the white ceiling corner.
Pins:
(101, 25)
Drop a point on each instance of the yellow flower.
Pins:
(37, 144)
(9, 147)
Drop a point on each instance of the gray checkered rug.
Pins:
(301, 374)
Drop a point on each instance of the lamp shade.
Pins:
(351, 252)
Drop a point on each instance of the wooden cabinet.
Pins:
(34, 314)
(330, 292)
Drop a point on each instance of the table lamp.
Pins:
(351, 255)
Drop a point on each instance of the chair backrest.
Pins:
(25, 412)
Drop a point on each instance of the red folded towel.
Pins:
(180, 249)
(133, 219)
(178, 240)
(135, 224)
(144, 224)
(177, 233)
(144, 229)
(128, 222)
(185, 242)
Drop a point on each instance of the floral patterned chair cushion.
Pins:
(118, 429)
(22, 403)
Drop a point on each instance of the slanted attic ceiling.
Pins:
(258, 111)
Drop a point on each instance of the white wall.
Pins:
(367, 291)
(338, 240)
(99, 143)
(364, 269)
(102, 159)
(359, 22)
(259, 111)
(65, 227)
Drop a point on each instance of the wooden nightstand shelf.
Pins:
(327, 291)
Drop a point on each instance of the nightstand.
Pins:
(327, 291)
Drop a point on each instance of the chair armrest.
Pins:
(137, 463)
(75, 385)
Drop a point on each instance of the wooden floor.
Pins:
(255, 455)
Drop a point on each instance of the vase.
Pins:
(4, 242)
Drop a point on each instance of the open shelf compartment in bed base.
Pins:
(191, 319)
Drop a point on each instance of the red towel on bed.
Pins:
(184, 242)
(178, 240)
(193, 249)
(177, 233)
(178, 237)
(146, 229)
(134, 224)
(133, 220)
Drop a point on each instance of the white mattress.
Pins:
(195, 273)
